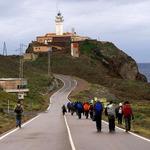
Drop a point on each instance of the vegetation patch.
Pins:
(39, 84)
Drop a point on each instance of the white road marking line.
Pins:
(68, 129)
(72, 88)
(10, 132)
(141, 137)
(14, 130)
(26, 123)
(69, 133)
(53, 96)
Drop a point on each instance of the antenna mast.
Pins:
(4, 49)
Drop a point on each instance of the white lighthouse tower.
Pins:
(59, 24)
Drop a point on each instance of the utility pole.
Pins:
(21, 70)
(49, 61)
(4, 49)
(21, 62)
(8, 108)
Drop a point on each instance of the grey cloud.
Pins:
(124, 22)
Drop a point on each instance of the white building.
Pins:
(59, 24)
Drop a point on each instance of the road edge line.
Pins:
(134, 134)
(7, 133)
(16, 129)
(66, 123)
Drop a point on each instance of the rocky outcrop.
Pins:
(113, 58)
(128, 70)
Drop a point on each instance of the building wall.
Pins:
(78, 38)
(63, 41)
(59, 28)
(10, 84)
(44, 39)
(75, 49)
(50, 37)
(40, 48)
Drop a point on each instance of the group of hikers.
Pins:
(95, 109)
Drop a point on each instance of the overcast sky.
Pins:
(124, 22)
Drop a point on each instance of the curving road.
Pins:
(48, 131)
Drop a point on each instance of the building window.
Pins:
(21, 86)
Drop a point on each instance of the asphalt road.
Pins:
(49, 131)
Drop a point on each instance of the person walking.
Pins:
(128, 115)
(91, 110)
(98, 109)
(64, 110)
(111, 116)
(79, 109)
(86, 108)
(18, 110)
(69, 106)
(119, 113)
(73, 109)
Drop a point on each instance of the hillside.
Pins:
(100, 62)
(93, 71)
(38, 82)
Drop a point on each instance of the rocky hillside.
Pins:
(113, 58)
(104, 64)
(94, 71)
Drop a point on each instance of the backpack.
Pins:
(18, 109)
(106, 114)
(120, 110)
(79, 106)
(98, 107)
(127, 111)
(86, 107)
(110, 110)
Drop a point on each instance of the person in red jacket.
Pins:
(86, 107)
(128, 115)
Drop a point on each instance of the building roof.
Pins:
(10, 79)
(16, 90)
(54, 35)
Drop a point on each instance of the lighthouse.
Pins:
(59, 24)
